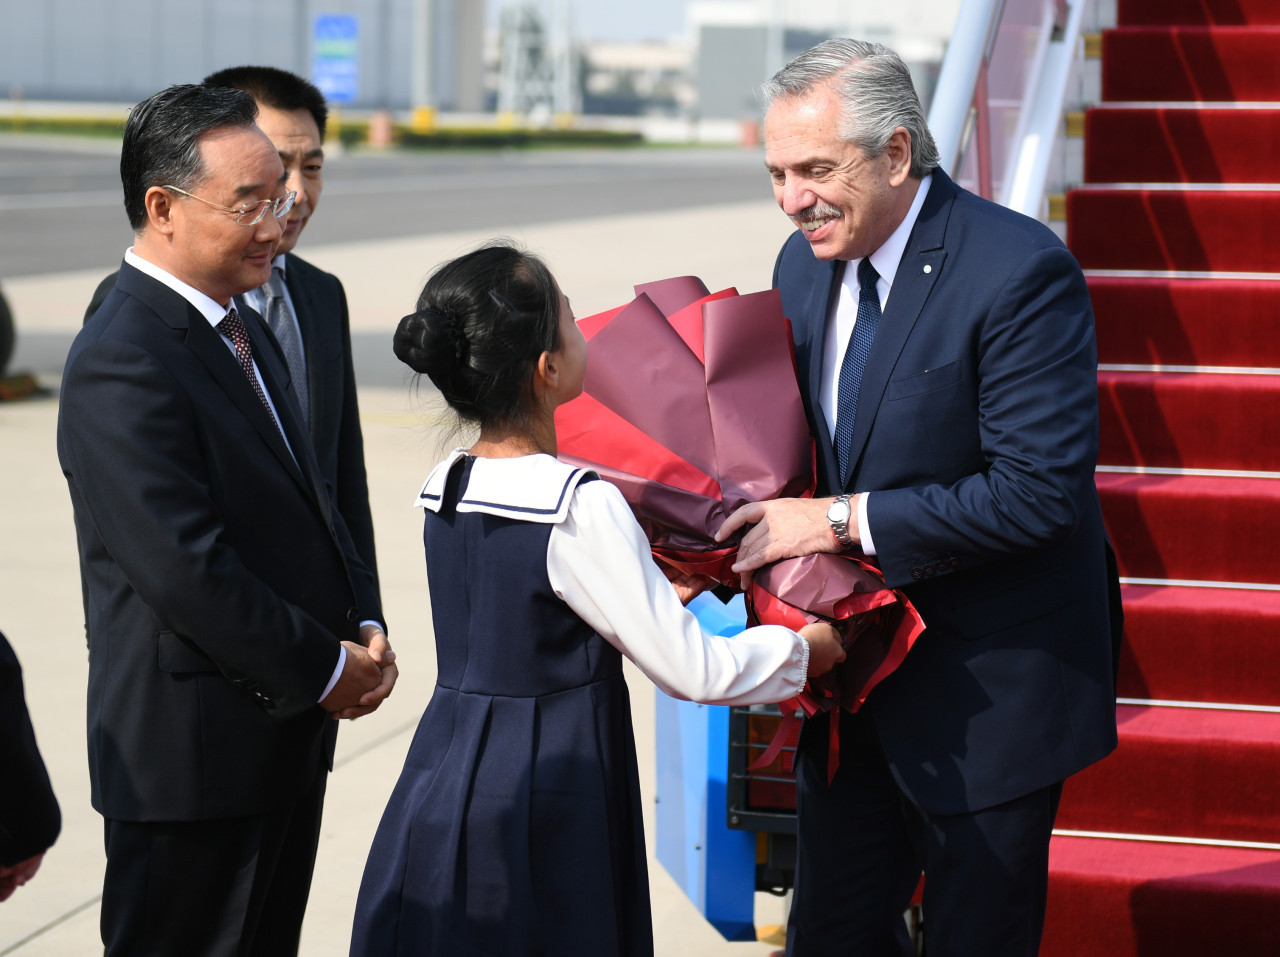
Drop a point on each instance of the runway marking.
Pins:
(40, 931)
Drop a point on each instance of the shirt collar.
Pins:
(211, 309)
(889, 255)
(531, 488)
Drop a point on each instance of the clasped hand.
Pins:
(368, 675)
(15, 876)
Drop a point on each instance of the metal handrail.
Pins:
(960, 117)
(951, 115)
(1025, 189)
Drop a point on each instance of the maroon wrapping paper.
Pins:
(691, 407)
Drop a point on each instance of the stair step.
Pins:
(1168, 774)
(1174, 229)
(1155, 13)
(1181, 145)
(1197, 63)
(1190, 421)
(1186, 772)
(1201, 644)
(1207, 322)
(1137, 899)
(1194, 528)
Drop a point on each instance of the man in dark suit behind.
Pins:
(956, 443)
(228, 613)
(293, 114)
(29, 815)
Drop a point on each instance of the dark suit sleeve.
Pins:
(1038, 430)
(352, 493)
(100, 295)
(29, 816)
(131, 437)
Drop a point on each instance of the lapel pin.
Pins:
(927, 270)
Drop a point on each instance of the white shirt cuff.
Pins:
(337, 673)
(864, 530)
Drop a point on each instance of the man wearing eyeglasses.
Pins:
(306, 307)
(229, 616)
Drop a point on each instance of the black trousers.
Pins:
(225, 888)
(862, 846)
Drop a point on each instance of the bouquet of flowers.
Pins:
(691, 407)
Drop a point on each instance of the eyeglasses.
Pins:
(250, 214)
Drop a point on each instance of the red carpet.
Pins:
(1193, 64)
(1211, 299)
(1205, 322)
(1190, 527)
(1181, 146)
(1205, 13)
(1193, 421)
(1121, 898)
(1201, 644)
(1175, 229)
(1168, 777)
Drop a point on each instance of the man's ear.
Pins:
(898, 149)
(159, 206)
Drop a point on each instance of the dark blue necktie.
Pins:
(855, 360)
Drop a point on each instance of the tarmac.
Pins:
(596, 262)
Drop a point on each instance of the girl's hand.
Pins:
(826, 649)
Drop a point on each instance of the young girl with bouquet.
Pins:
(515, 827)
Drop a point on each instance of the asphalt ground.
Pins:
(603, 224)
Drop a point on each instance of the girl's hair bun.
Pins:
(481, 323)
(430, 340)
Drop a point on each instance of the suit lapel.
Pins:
(274, 374)
(210, 348)
(207, 344)
(918, 271)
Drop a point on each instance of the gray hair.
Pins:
(876, 95)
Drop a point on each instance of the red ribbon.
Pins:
(882, 626)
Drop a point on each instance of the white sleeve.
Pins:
(599, 563)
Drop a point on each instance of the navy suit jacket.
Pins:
(218, 579)
(321, 306)
(977, 435)
(29, 815)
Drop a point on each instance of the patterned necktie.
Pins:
(282, 325)
(855, 360)
(232, 326)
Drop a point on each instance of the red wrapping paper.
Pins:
(691, 407)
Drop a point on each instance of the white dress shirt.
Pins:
(844, 316)
(600, 565)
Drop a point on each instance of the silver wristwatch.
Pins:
(838, 514)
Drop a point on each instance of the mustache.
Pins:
(818, 211)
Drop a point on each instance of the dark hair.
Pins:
(278, 89)
(482, 321)
(161, 139)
